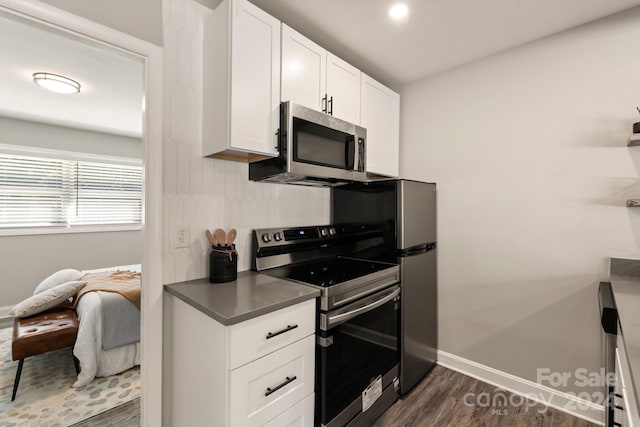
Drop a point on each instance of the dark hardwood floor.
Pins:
(438, 401)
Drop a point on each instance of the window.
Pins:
(46, 188)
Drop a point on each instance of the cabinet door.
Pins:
(304, 70)
(255, 78)
(380, 115)
(267, 387)
(254, 338)
(343, 84)
(299, 415)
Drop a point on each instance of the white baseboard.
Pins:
(546, 395)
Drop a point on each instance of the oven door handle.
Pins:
(343, 317)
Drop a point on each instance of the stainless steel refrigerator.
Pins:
(407, 211)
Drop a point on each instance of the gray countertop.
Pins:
(251, 295)
(625, 283)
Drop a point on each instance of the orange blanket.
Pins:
(125, 283)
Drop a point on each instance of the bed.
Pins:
(94, 360)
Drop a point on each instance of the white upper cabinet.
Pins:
(304, 70)
(343, 89)
(317, 79)
(241, 88)
(380, 115)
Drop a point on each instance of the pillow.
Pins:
(47, 299)
(58, 278)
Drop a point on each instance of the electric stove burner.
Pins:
(329, 272)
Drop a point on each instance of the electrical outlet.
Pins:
(182, 236)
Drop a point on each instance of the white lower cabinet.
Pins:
(299, 415)
(233, 376)
(265, 388)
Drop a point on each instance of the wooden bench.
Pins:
(51, 330)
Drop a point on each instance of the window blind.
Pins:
(106, 194)
(50, 192)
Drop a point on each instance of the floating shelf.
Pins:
(633, 140)
(633, 203)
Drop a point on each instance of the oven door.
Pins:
(357, 344)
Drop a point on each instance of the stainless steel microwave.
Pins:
(314, 149)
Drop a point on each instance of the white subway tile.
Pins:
(169, 171)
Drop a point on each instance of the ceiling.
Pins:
(111, 96)
(438, 35)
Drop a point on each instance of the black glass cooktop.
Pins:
(329, 272)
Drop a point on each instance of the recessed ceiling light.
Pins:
(56, 83)
(398, 11)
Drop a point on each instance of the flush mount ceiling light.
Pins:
(398, 11)
(56, 83)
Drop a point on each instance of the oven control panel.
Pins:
(273, 237)
(320, 234)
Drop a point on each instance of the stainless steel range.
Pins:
(358, 317)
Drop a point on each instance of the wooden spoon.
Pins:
(231, 236)
(210, 238)
(220, 236)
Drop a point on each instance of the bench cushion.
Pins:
(51, 330)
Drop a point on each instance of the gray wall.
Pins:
(26, 260)
(139, 18)
(33, 134)
(528, 150)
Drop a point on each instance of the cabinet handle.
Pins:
(619, 396)
(617, 424)
(330, 102)
(324, 103)
(275, 334)
(620, 408)
(279, 386)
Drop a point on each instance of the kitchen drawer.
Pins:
(265, 388)
(257, 337)
(300, 415)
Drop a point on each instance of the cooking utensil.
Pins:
(220, 236)
(231, 236)
(210, 237)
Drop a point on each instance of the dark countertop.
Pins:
(251, 295)
(625, 283)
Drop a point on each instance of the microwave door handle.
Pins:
(343, 317)
(350, 151)
(361, 154)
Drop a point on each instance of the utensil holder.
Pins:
(223, 264)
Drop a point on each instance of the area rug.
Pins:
(45, 397)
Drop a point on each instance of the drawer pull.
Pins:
(619, 396)
(618, 407)
(279, 386)
(275, 334)
(617, 424)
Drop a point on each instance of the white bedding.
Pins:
(95, 362)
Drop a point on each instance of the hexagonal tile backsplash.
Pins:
(206, 193)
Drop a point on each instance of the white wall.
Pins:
(528, 150)
(206, 193)
(139, 18)
(26, 260)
